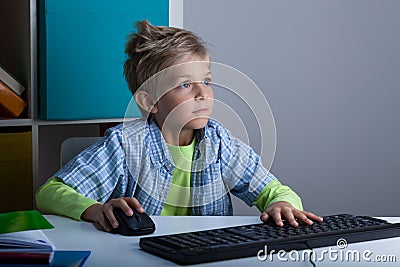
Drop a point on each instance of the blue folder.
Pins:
(64, 258)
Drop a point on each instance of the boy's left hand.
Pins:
(280, 209)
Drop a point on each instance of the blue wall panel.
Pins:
(82, 55)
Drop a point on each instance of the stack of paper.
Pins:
(26, 247)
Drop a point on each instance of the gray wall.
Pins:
(331, 73)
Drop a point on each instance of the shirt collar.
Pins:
(159, 152)
(202, 133)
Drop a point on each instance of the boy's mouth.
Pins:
(200, 111)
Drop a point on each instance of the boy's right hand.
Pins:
(103, 215)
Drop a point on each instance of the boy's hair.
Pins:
(154, 48)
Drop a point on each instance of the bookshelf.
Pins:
(21, 56)
(17, 136)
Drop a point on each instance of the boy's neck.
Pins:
(174, 137)
(184, 138)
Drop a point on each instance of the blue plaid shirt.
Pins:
(132, 159)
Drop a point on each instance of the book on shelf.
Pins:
(11, 81)
(11, 104)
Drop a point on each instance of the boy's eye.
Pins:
(206, 82)
(185, 85)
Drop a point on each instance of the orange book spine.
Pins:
(10, 101)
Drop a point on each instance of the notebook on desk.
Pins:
(23, 243)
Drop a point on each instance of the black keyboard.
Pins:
(248, 240)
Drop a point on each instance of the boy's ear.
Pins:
(145, 101)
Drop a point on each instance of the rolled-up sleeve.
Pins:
(55, 197)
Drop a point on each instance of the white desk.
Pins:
(112, 250)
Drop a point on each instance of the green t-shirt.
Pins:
(178, 198)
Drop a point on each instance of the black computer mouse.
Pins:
(137, 224)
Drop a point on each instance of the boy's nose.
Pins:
(201, 91)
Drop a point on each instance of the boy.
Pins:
(177, 161)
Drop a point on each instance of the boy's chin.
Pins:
(197, 123)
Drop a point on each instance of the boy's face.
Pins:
(186, 100)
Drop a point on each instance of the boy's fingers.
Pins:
(277, 217)
(288, 213)
(126, 204)
(103, 222)
(277, 210)
(125, 207)
(134, 203)
(302, 217)
(105, 225)
(109, 214)
(264, 217)
(313, 217)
